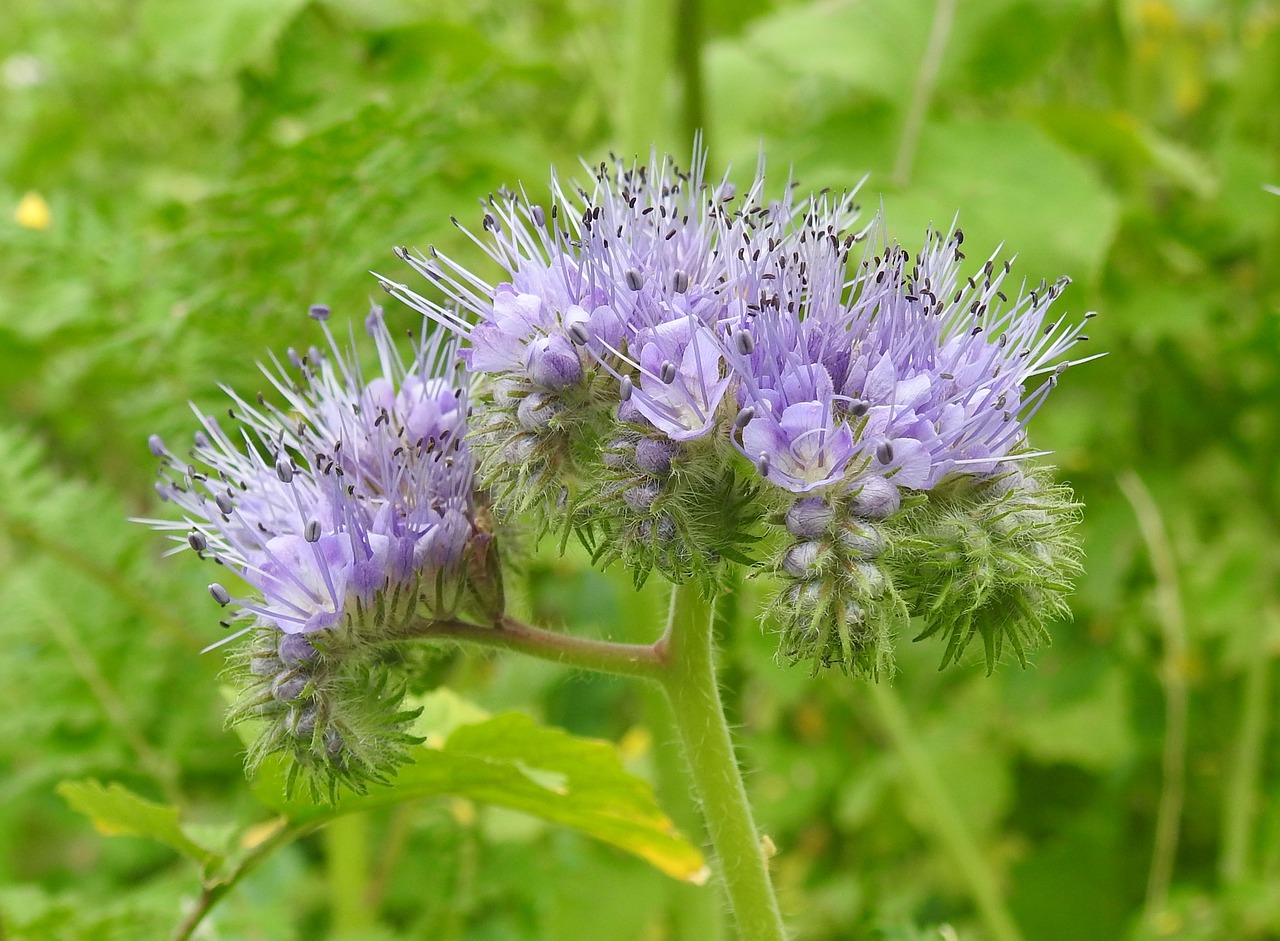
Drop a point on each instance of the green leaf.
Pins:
(192, 37)
(511, 761)
(117, 811)
(1011, 185)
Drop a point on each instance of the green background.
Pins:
(211, 169)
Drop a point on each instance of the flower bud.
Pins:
(553, 363)
(875, 498)
(809, 518)
(288, 687)
(804, 559)
(642, 497)
(520, 449)
(536, 411)
(860, 539)
(295, 649)
(653, 456)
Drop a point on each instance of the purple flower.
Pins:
(356, 493)
(726, 318)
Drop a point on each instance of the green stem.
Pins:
(643, 121)
(950, 829)
(346, 843)
(1173, 633)
(926, 79)
(212, 891)
(600, 656)
(689, 680)
(1240, 804)
(689, 66)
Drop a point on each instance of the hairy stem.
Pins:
(950, 829)
(643, 120)
(692, 689)
(346, 844)
(693, 912)
(600, 656)
(1245, 769)
(926, 78)
(1173, 632)
(689, 66)
(213, 889)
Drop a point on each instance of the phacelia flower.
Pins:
(676, 373)
(348, 511)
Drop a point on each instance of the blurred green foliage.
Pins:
(180, 179)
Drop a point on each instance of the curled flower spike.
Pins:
(348, 511)
(670, 369)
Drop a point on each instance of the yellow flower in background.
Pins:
(33, 212)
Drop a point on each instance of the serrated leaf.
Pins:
(117, 811)
(511, 761)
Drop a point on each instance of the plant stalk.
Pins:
(600, 656)
(689, 679)
(950, 829)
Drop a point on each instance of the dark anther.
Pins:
(224, 504)
(284, 469)
(635, 280)
(745, 342)
(744, 418)
(312, 531)
(679, 281)
(578, 334)
(220, 594)
(668, 372)
(318, 312)
(197, 541)
(884, 453)
(625, 388)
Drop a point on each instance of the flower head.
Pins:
(655, 328)
(348, 511)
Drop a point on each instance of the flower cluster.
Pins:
(349, 513)
(658, 328)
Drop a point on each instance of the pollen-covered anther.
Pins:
(634, 279)
(284, 469)
(679, 281)
(744, 342)
(311, 532)
(197, 541)
(220, 594)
